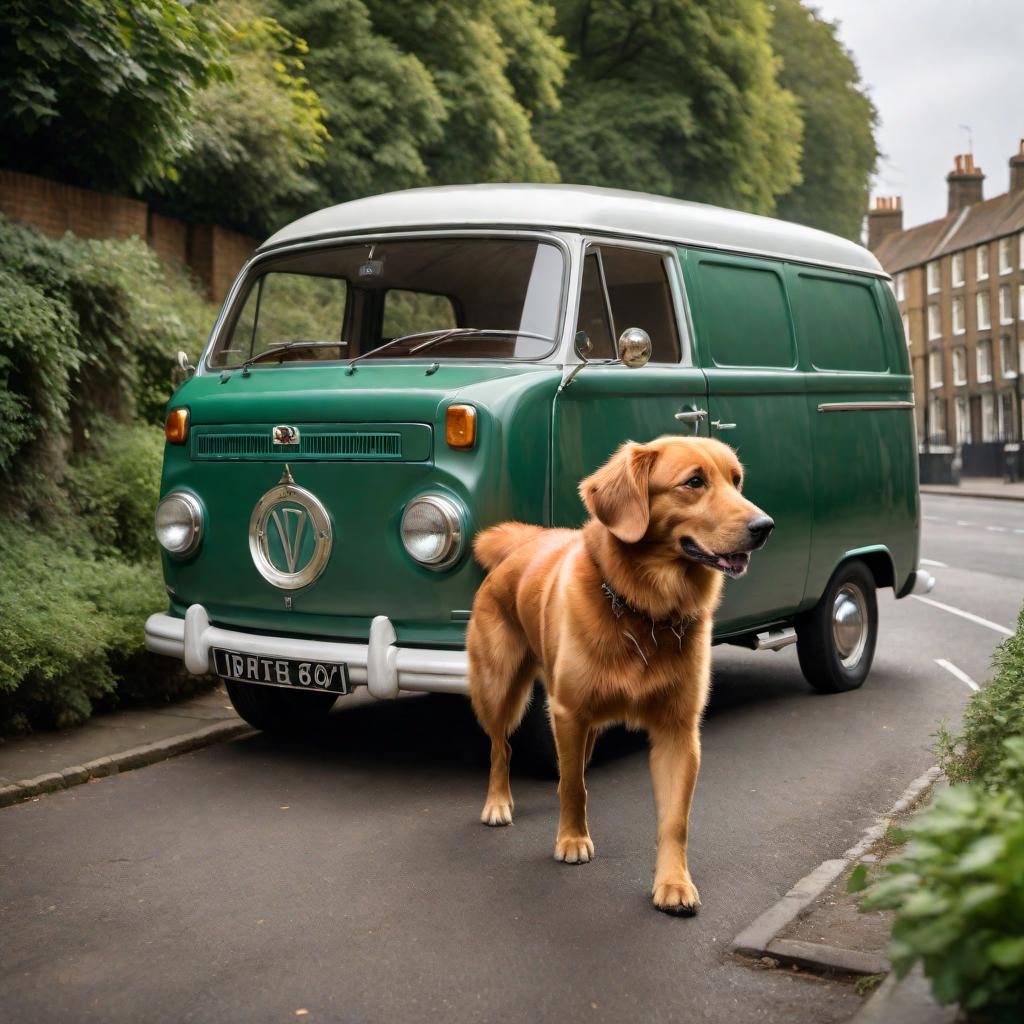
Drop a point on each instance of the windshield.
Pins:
(354, 300)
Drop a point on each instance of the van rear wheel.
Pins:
(275, 709)
(836, 639)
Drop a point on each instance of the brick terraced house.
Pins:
(959, 282)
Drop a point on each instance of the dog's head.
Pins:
(683, 495)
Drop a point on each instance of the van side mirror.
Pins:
(635, 347)
(583, 345)
(181, 361)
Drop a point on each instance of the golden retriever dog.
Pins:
(616, 620)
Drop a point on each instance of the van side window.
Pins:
(593, 316)
(838, 324)
(745, 316)
(408, 312)
(640, 296)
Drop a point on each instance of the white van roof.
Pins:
(581, 208)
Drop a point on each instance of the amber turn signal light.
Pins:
(176, 427)
(460, 427)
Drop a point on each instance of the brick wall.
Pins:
(214, 254)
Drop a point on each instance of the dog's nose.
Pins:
(759, 528)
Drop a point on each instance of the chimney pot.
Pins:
(1017, 170)
(885, 218)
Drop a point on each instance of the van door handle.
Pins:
(691, 415)
(719, 425)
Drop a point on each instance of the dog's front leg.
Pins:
(675, 761)
(573, 843)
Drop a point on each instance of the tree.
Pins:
(254, 136)
(495, 64)
(679, 97)
(839, 149)
(382, 108)
(100, 92)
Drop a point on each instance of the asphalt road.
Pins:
(347, 875)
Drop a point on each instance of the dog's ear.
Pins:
(617, 494)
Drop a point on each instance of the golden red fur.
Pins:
(663, 514)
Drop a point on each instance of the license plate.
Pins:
(323, 676)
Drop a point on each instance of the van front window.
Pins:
(454, 298)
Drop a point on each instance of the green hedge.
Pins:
(88, 332)
(958, 889)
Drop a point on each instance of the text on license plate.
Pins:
(304, 675)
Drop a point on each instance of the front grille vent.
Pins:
(339, 445)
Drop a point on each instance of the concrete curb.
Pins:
(136, 757)
(906, 1000)
(760, 938)
(959, 493)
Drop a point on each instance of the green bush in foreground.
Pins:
(959, 895)
(958, 889)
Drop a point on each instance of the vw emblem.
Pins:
(289, 535)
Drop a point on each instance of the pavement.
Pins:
(979, 487)
(346, 875)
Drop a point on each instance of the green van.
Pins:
(391, 375)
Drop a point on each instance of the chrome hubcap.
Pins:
(850, 624)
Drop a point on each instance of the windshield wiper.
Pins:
(441, 335)
(267, 353)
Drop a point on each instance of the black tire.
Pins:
(836, 639)
(277, 710)
(533, 743)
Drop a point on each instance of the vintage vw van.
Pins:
(391, 375)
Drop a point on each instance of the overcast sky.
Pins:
(931, 66)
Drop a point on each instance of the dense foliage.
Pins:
(679, 97)
(87, 335)
(839, 151)
(100, 92)
(958, 889)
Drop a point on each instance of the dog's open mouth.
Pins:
(733, 564)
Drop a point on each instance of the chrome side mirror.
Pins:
(635, 347)
(181, 361)
(583, 345)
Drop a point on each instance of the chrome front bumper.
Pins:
(380, 665)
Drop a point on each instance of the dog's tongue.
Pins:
(733, 565)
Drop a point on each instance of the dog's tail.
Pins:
(493, 546)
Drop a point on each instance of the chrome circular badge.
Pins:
(289, 535)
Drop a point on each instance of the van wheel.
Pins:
(275, 709)
(533, 743)
(836, 639)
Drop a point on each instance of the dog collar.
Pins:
(620, 606)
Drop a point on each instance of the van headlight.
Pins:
(179, 523)
(432, 530)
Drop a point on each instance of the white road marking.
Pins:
(934, 519)
(964, 615)
(965, 522)
(931, 561)
(996, 529)
(959, 673)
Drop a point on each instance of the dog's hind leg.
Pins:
(501, 674)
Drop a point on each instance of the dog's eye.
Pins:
(695, 482)
(736, 481)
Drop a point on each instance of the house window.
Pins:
(988, 417)
(937, 421)
(934, 278)
(984, 312)
(1006, 360)
(959, 325)
(959, 273)
(1005, 305)
(1020, 300)
(934, 322)
(984, 361)
(960, 365)
(1005, 255)
(962, 423)
(901, 286)
(982, 257)
(1004, 423)
(1020, 238)
(935, 368)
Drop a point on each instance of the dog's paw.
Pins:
(574, 849)
(497, 812)
(679, 898)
